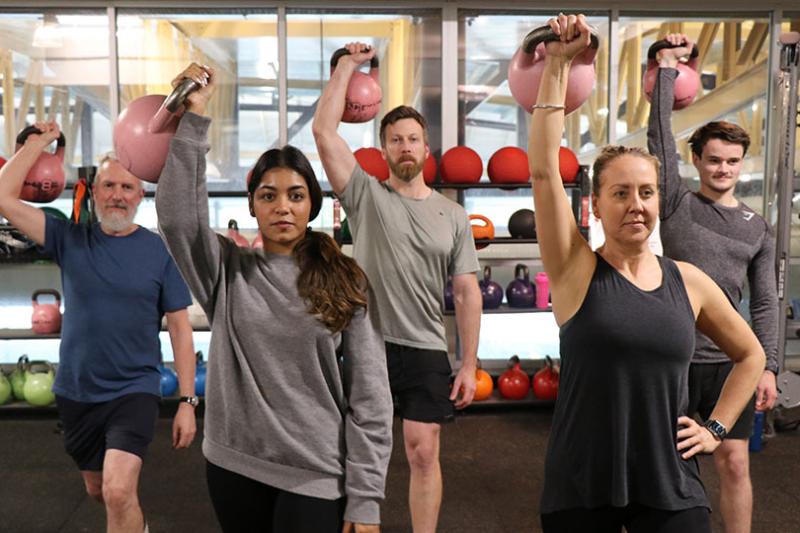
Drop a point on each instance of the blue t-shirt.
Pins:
(116, 290)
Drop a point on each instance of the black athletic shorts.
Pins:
(127, 423)
(705, 384)
(634, 517)
(420, 382)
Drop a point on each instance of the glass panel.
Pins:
(54, 66)
(733, 62)
(409, 52)
(242, 47)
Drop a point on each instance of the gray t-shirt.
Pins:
(408, 247)
(730, 244)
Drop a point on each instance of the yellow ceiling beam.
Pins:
(301, 28)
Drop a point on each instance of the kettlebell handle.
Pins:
(525, 272)
(487, 273)
(232, 224)
(61, 142)
(51, 292)
(172, 104)
(664, 44)
(545, 34)
(341, 52)
(39, 365)
(487, 223)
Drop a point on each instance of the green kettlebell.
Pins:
(5, 388)
(38, 387)
(18, 378)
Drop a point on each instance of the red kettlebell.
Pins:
(3, 161)
(509, 165)
(46, 318)
(686, 84)
(429, 169)
(483, 231)
(526, 67)
(461, 164)
(144, 129)
(235, 236)
(545, 381)
(513, 383)
(363, 99)
(45, 180)
(373, 163)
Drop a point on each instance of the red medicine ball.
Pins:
(461, 165)
(2, 162)
(568, 165)
(509, 165)
(429, 170)
(372, 162)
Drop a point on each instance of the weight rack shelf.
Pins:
(505, 308)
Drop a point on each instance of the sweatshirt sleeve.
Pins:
(368, 421)
(764, 299)
(182, 207)
(661, 141)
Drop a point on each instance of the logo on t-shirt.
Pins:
(748, 215)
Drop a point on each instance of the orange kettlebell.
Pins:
(483, 384)
(485, 231)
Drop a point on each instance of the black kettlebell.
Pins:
(522, 224)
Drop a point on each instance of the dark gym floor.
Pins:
(492, 463)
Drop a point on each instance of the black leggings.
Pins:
(635, 518)
(243, 505)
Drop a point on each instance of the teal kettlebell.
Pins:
(18, 378)
(5, 388)
(38, 387)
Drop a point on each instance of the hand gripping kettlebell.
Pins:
(45, 180)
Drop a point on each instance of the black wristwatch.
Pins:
(716, 428)
(191, 400)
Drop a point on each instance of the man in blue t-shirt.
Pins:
(118, 282)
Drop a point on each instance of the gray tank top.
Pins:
(624, 364)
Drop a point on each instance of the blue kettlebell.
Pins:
(169, 380)
(200, 375)
(521, 292)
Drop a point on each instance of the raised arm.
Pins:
(182, 196)
(721, 322)
(567, 258)
(26, 218)
(337, 159)
(660, 140)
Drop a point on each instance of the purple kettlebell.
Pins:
(448, 295)
(521, 292)
(491, 292)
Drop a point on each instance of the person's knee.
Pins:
(118, 497)
(95, 491)
(734, 466)
(422, 456)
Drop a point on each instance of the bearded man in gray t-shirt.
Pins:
(408, 238)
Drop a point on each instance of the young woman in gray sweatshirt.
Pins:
(298, 410)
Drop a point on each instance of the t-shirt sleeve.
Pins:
(463, 258)
(356, 192)
(55, 231)
(175, 294)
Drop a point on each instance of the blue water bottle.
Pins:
(758, 430)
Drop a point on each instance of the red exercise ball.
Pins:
(372, 162)
(2, 161)
(461, 165)
(429, 170)
(509, 165)
(568, 165)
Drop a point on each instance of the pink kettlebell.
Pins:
(45, 179)
(144, 129)
(525, 70)
(363, 99)
(46, 318)
(235, 236)
(686, 84)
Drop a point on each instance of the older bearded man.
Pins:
(118, 281)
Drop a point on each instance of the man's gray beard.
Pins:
(115, 222)
(406, 173)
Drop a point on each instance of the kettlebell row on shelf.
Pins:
(514, 383)
(520, 293)
(31, 381)
(521, 225)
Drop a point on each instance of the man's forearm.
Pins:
(468, 322)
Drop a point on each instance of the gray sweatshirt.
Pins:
(730, 244)
(280, 409)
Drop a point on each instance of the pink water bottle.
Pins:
(542, 290)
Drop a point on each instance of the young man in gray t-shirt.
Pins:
(730, 243)
(408, 238)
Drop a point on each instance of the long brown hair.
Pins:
(331, 283)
